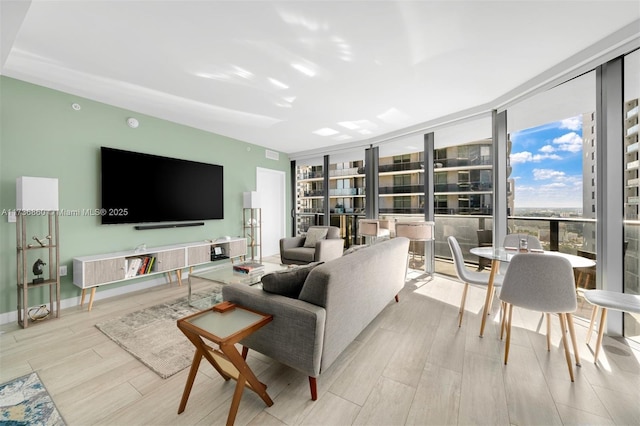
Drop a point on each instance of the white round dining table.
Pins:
(505, 254)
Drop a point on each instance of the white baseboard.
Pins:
(12, 316)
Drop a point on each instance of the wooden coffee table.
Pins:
(225, 329)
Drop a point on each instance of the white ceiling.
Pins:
(273, 73)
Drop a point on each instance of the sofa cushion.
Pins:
(314, 235)
(289, 282)
(300, 254)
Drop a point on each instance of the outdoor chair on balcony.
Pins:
(375, 229)
(419, 233)
(485, 239)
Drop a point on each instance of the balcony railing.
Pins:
(555, 234)
(463, 187)
(401, 167)
(401, 189)
(463, 162)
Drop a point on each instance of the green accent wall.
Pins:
(42, 135)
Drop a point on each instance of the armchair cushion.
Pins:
(289, 282)
(314, 235)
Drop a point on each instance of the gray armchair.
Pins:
(319, 248)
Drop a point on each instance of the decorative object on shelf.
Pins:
(38, 271)
(252, 221)
(42, 244)
(37, 198)
(39, 313)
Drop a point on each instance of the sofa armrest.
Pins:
(291, 242)
(294, 337)
(329, 249)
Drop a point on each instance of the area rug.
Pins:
(151, 335)
(25, 401)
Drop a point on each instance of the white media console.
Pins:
(101, 269)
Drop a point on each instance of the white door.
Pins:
(271, 185)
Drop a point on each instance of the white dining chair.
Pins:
(468, 276)
(545, 284)
(513, 240)
(606, 300)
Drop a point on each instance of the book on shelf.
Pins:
(249, 268)
(143, 265)
(133, 266)
(152, 260)
(139, 265)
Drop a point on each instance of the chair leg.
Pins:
(548, 315)
(313, 385)
(594, 313)
(567, 355)
(603, 320)
(503, 317)
(462, 303)
(506, 346)
(572, 333)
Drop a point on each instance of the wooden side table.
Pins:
(225, 329)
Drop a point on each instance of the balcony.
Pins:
(401, 189)
(401, 167)
(443, 188)
(463, 162)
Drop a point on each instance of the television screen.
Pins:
(140, 188)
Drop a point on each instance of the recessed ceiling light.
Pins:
(349, 125)
(277, 83)
(304, 69)
(365, 132)
(325, 131)
(241, 72)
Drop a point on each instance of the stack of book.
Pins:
(249, 268)
(139, 265)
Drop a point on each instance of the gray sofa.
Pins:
(294, 252)
(337, 300)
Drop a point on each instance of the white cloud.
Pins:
(544, 174)
(573, 123)
(571, 142)
(527, 157)
(547, 149)
(521, 157)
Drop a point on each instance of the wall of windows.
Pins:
(631, 188)
(552, 180)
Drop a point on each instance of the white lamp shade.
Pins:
(36, 193)
(251, 200)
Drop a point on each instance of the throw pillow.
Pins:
(353, 249)
(287, 283)
(314, 235)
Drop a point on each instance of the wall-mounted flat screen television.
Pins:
(144, 188)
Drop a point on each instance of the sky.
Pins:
(547, 165)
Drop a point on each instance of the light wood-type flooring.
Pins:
(412, 365)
